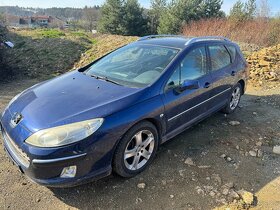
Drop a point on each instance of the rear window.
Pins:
(220, 57)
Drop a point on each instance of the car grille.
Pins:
(15, 152)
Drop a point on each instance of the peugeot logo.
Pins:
(17, 117)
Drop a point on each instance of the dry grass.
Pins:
(260, 32)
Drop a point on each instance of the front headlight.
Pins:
(65, 134)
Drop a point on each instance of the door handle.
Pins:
(207, 85)
(233, 73)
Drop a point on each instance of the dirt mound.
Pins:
(265, 65)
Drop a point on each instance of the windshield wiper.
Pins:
(105, 79)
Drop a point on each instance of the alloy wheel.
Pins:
(235, 97)
(139, 150)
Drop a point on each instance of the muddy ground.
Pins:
(220, 152)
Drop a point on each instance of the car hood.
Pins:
(71, 98)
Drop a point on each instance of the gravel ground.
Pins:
(203, 168)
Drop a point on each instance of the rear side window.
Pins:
(220, 57)
(232, 52)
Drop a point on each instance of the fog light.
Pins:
(68, 172)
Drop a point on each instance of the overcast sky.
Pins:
(274, 4)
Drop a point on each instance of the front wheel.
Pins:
(136, 150)
(234, 99)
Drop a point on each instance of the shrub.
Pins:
(52, 33)
(262, 32)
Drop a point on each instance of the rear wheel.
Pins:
(136, 150)
(234, 99)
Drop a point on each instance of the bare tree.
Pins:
(3, 20)
(90, 16)
(264, 9)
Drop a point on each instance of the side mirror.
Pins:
(187, 85)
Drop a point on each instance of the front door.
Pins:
(182, 108)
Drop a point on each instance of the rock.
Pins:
(223, 155)
(237, 147)
(229, 159)
(204, 167)
(217, 178)
(229, 185)
(181, 172)
(189, 162)
(259, 144)
(171, 196)
(208, 188)
(253, 153)
(138, 200)
(233, 195)
(225, 191)
(141, 185)
(276, 150)
(38, 200)
(199, 190)
(255, 113)
(233, 123)
(259, 153)
(222, 201)
(246, 196)
(212, 193)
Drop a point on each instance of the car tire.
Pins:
(136, 149)
(233, 100)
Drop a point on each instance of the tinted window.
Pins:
(232, 52)
(192, 67)
(220, 57)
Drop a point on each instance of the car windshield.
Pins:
(133, 65)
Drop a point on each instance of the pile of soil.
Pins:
(265, 65)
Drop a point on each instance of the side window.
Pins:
(192, 67)
(174, 80)
(220, 57)
(232, 51)
(194, 64)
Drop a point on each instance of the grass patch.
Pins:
(52, 33)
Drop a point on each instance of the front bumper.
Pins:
(47, 171)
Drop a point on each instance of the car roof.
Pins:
(179, 42)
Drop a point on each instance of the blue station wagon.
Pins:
(112, 115)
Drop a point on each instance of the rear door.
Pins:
(223, 75)
(186, 107)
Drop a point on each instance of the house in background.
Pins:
(42, 21)
(35, 21)
(25, 21)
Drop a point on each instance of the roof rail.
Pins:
(159, 36)
(202, 38)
